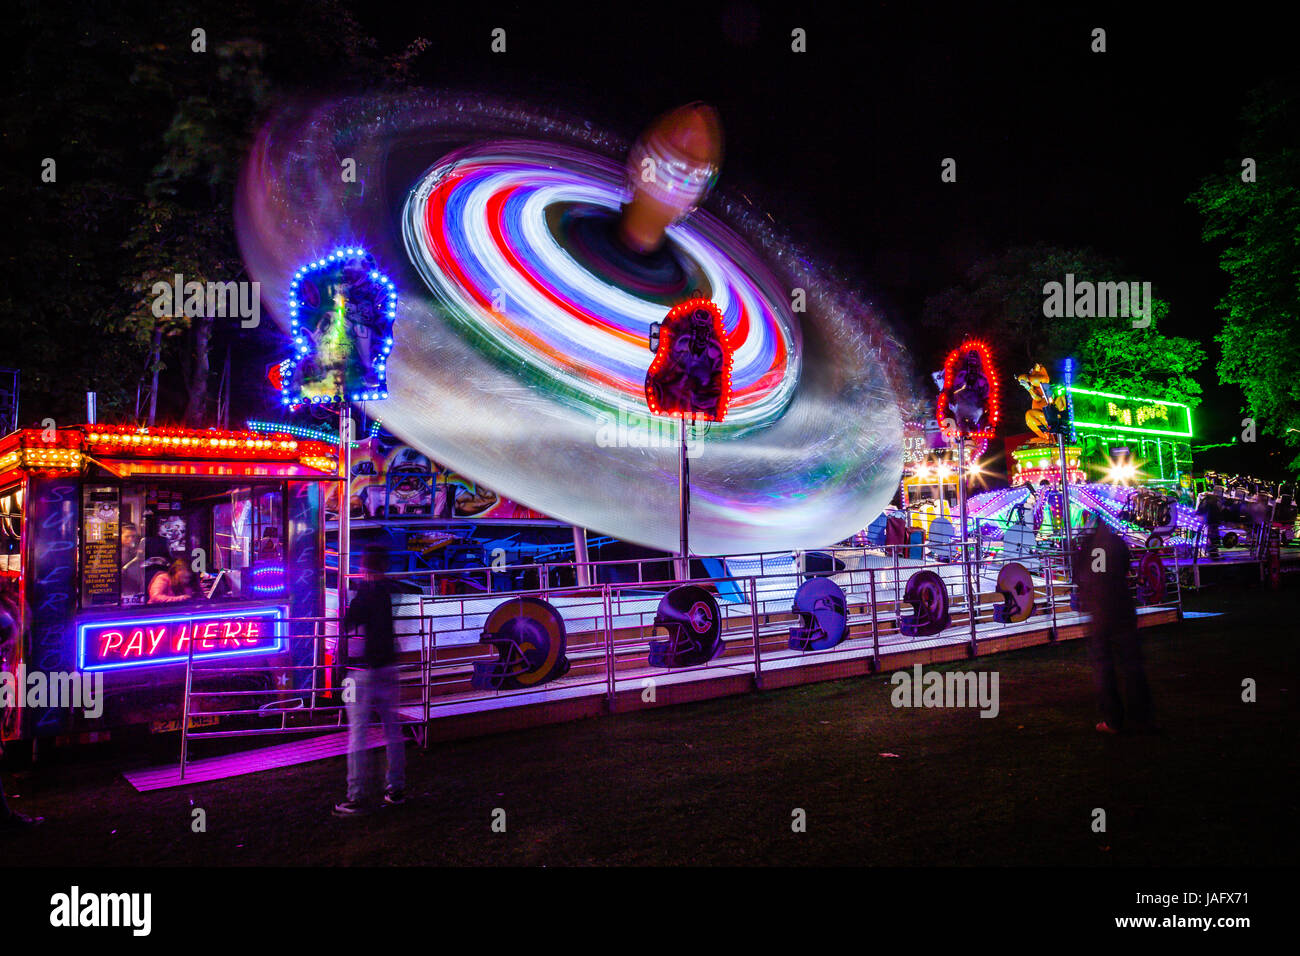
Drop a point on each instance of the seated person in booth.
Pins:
(157, 557)
(173, 585)
(269, 548)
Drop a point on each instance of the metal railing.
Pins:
(610, 625)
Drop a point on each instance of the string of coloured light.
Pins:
(989, 371)
(370, 299)
(482, 230)
(306, 431)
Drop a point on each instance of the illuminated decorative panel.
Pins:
(341, 310)
(1125, 413)
(962, 371)
(691, 371)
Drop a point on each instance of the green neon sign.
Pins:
(1126, 414)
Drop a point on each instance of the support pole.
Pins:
(963, 553)
(580, 556)
(683, 507)
(345, 515)
(185, 701)
(1065, 499)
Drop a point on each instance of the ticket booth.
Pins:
(127, 552)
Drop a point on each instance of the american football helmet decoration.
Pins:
(928, 596)
(690, 616)
(528, 636)
(690, 374)
(1017, 590)
(823, 615)
(1150, 579)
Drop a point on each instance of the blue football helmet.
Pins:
(823, 615)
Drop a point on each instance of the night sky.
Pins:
(842, 144)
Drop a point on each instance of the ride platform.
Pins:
(608, 652)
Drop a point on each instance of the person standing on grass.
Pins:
(11, 819)
(1100, 568)
(375, 687)
(9, 633)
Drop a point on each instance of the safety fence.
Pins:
(612, 631)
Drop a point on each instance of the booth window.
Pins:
(211, 542)
(11, 531)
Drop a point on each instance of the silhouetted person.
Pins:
(1100, 568)
(375, 687)
(157, 558)
(270, 548)
(9, 636)
(1212, 510)
(132, 560)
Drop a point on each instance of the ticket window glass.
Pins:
(213, 542)
(11, 531)
(248, 538)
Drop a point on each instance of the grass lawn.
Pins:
(716, 782)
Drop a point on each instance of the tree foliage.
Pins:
(148, 134)
(1128, 361)
(182, 223)
(1257, 224)
(1001, 300)
(63, 265)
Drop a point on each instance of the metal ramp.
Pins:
(333, 744)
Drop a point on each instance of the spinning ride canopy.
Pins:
(520, 355)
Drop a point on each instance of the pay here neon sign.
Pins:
(150, 641)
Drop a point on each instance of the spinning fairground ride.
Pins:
(536, 256)
(576, 332)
